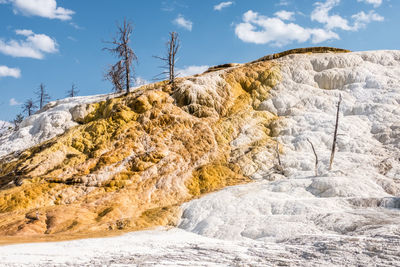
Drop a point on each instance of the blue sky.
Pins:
(59, 42)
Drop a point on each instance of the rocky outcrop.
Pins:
(133, 160)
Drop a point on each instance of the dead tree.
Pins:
(170, 59)
(115, 75)
(278, 167)
(72, 92)
(277, 154)
(123, 69)
(316, 157)
(29, 107)
(17, 121)
(335, 133)
(42, 96)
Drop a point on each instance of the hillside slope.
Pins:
(359, 193)
(132, 162)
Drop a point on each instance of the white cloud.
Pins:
(376, 3)
(192, 70)
(321, 14)
(9, 72)
(41, 8)
(34, 46)
(222, 5)
(168, 6)
(285, 15)
(14, 102)
(361, 19)
(76, 26)
(184, 23)
(24, 32)
(283, 3)
(259, 29)
(322, 35)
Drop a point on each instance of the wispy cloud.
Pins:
(321, 14)
(259, 29)
(222, 5)
(34, 45)
(9, 72)
(41, 8)
(184, 23)
(376, 3)
(192, 70)
(14, 102)
(24, 32)
(76, 26)
(361, 19)
(285, 15)
(283, 3)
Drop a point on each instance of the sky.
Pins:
(59, 43)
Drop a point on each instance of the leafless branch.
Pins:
(116, 75)
(277, 154)
(17, 121)
(316, 157)
(29, 107)
(335, 134)
(121, 73)
(279, 167)
(73, 91)
(170, 59)
(42, 96)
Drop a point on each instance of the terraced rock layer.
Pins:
(346, 215)
(133, 160)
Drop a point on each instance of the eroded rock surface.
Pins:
(133, 160)
(202, 157)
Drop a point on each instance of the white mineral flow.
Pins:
(5, 126)
(347, 216)
(54, 119)
(359, 198)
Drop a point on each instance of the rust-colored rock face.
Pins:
(133, 160)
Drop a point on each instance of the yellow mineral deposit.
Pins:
(134, 159)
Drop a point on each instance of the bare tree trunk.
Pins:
(72, 92)
(29, 107)
(316, 157)
(277, 154)
(335, 134)
(170, 59)
(173, 50)
(279, 167)
(172, 53)
(43, 97)
(123, 69)
(127, 73)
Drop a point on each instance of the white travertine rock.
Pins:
(366, 164)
